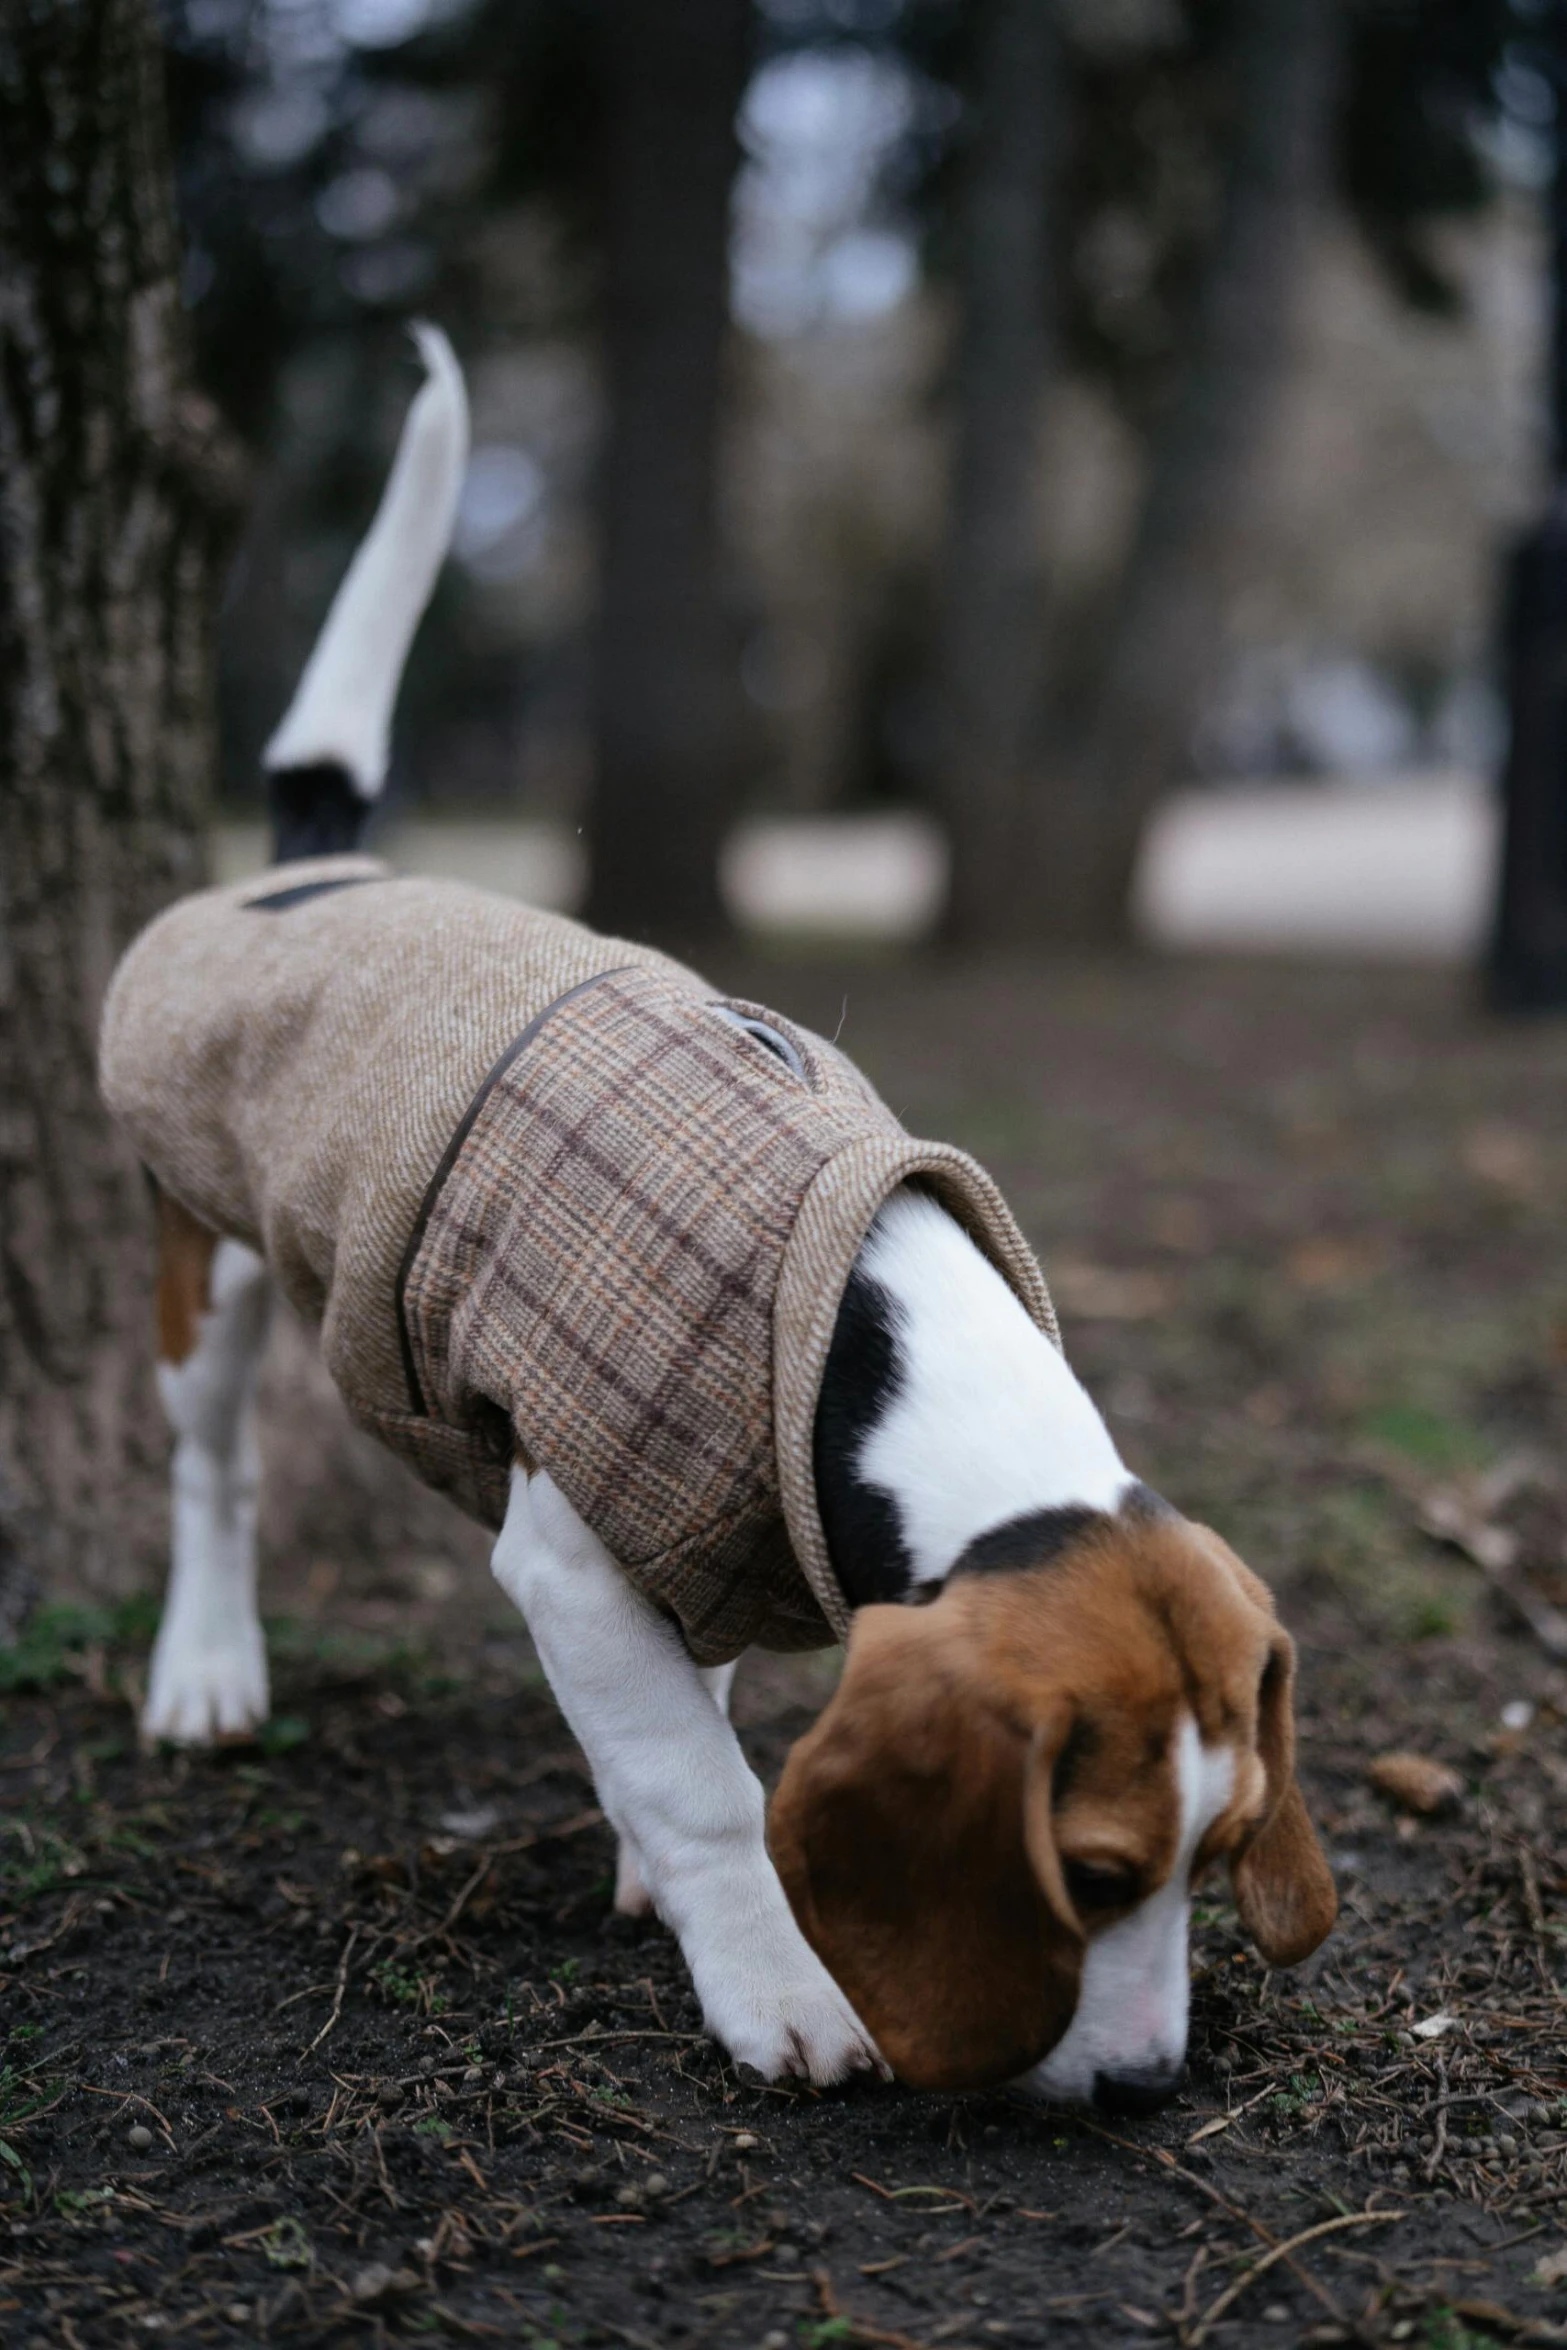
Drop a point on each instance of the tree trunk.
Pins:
(1092, 798)
(992, 592)
(111, 475)
(665, 732)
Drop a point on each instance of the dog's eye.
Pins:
(1095, 1886)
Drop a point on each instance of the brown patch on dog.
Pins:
(185, 1253)
(899, 1833)
(994, 1782)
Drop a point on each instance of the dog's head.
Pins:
(991, 1835)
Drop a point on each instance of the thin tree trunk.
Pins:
(992, 592)
(111, 475)
(665, 733)
(1092, 798)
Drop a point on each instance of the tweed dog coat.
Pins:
(549, 1200)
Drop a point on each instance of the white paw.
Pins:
(796, 2024)
(197, 1695)
(632, 1898)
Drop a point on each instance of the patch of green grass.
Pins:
(12, 2167)
(433, 2126)
(21, 2096)
(1446, 2330)
(130, 1840)
(816, 2333)
(395, 1983)
(54, 1643)
(78, 2202)
(567, 1971)
(286, 2245)
(298, 1642)
(992, 1129)
(282, 1732)
(34, 1860)
(399, 1986)
(1430, 1438)
(1304, 2090)
(1431, 1617)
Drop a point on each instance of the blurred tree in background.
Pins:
(665, 686)
(1151, 182)
(118, 489)
(1102, 193)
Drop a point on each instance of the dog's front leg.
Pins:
(632, 1897)
(675, 1785)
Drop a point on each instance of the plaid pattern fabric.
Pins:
(600, 1273)
(548, 1202)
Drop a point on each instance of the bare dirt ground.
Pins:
(335, 2038)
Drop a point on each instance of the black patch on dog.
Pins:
(864, 1538)
(316, 812)
(1032, 1540)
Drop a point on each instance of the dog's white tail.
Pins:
(341, 716)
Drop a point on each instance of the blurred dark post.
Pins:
(665, 718)
(992, 591)
(115, 487)
(1528, 955)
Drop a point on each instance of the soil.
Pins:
(335, 2038)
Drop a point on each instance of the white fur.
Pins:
(632, 1897)
(208, 1677)
(1132, 2006)
(342, 709)
(988, 1422)
(674, 1783)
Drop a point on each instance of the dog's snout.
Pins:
(1140, 2089)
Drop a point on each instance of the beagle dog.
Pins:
(1062, 1701)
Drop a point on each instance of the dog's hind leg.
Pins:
(632, 1898)
(208, 1677)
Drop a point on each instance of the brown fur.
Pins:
(1021, 1724)
(185, 1253)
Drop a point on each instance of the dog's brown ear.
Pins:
(1284, 1888)
(912, 1833)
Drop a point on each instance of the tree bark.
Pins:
(114, 480)
(665, 717)
(992, 591)
(1092, 794)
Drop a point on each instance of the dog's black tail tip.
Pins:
(316, 811)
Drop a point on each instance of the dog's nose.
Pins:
(1141, 2089)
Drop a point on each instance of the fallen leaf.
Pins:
(1552, 2270)
(1331, 1264)
(1433, 2026)
(1416, 1783)
(1503, 1156)
(477, 1820)
(1452, 1517)
(1209, 2130)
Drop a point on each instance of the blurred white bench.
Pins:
(1399, 869)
